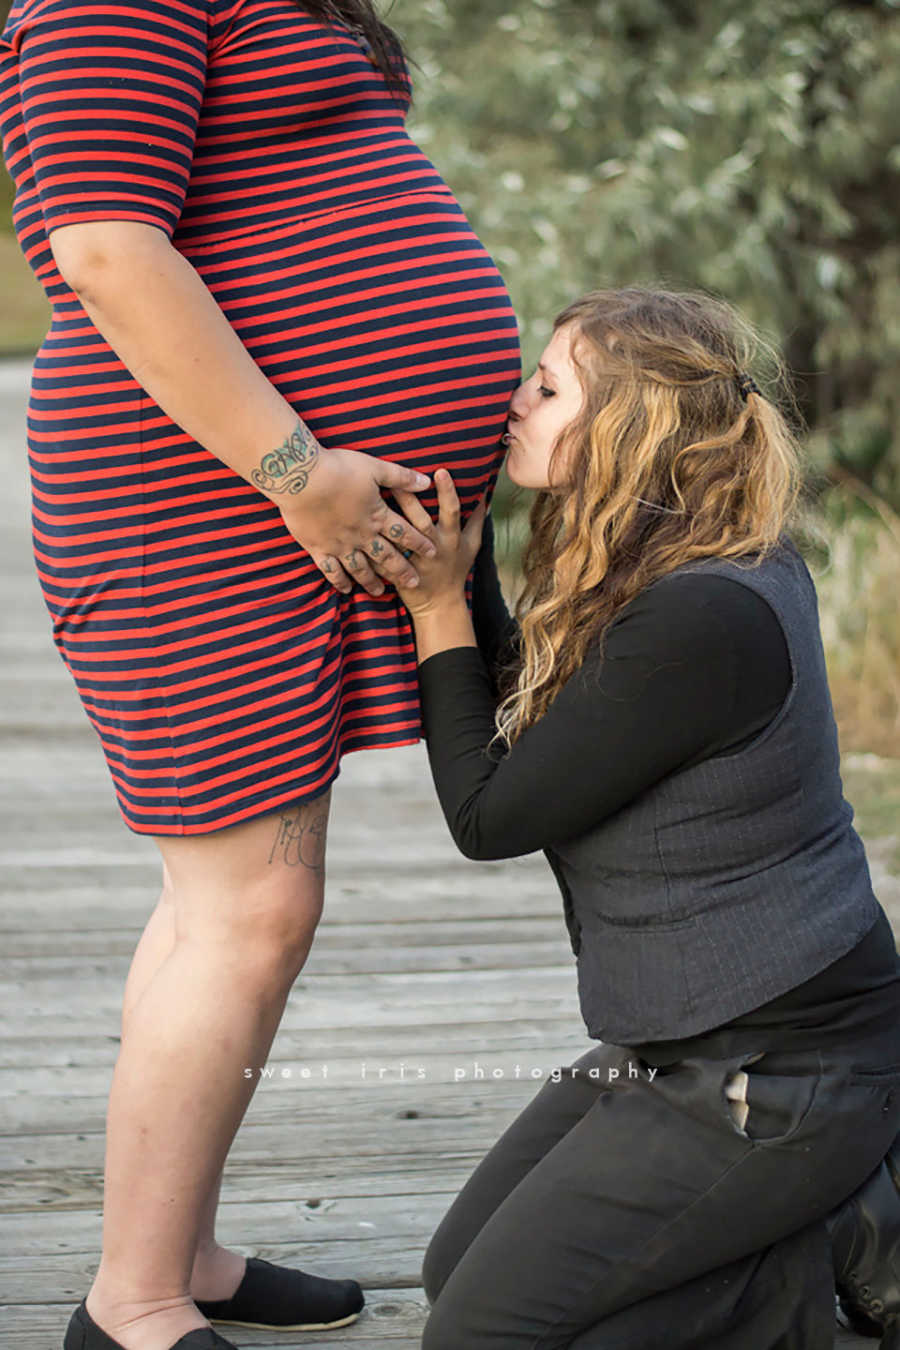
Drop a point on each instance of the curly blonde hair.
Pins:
(668, 461)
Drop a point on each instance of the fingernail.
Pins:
(380, 591)
(431, 553)
(413, 581)
(422, 481)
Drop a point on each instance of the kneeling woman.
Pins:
(663, 729)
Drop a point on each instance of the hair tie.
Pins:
(746, 384)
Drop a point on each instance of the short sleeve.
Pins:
(111, 96)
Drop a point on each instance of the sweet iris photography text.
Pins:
(471, 1071)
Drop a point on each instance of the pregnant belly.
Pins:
(386, 325)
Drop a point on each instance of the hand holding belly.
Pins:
(332, 504)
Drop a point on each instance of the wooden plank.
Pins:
(304, 1180)
(333, 937)
(337, 1219)
(400, 1135)
(389, 1261)
(318, 1044)
(123, 896)
(363, 957)
(307, 1106)
(406, 988)
(478, 1069)
(100, 1022)
(408, 998)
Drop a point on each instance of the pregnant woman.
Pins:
(664, 732)
(267, 308)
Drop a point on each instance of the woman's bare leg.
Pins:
(246, 903)
(217, 1271)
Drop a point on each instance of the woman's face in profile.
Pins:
(539, 410)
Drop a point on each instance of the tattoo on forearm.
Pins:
(300, 838)
(287, 469)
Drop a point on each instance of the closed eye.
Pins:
(545, 392)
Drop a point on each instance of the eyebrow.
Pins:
(547, 371)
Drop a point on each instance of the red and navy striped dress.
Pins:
(222, 673)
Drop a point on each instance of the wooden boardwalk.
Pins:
(437, 996)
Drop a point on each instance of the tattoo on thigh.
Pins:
(287, 469)
(300, 837)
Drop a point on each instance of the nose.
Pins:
(517, 408)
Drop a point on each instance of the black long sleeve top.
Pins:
(693, 672)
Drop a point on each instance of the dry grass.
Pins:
(872, 785)
(857, 573)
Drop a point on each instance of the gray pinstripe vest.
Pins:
(730, 881)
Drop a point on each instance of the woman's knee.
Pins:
(448, 1245)
(279, 924)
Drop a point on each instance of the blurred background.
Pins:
(747, 147)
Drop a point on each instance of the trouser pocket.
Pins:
(770, 1093)
(736, 1084)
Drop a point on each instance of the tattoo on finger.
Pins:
(376, 548)
(396, 531)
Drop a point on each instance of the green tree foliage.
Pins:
(749, 147)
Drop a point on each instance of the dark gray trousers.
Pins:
(624, 1213)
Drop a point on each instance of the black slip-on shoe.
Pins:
(289, 1300)
(83, 1333)
(865, 1240)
